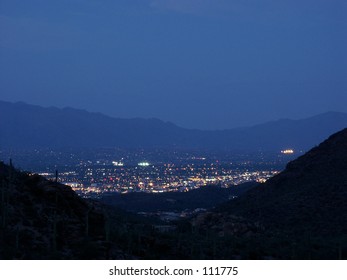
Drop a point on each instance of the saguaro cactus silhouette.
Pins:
(107, 227)
(3, 204)
(87, 221)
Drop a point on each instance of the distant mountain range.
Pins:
(29, 126)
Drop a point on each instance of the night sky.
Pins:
(207, 64)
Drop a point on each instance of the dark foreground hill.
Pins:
(310, 195)
(204, 197)
(41, 219)
(27, 126)
(299, 214)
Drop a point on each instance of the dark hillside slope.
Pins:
(309, 195)
(41, 219)
(204, 197)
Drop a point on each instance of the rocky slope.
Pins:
(309, 195)
(42, 219)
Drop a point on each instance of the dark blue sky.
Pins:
(198, 63)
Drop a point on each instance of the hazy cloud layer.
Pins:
(189, 6)
(286, 10)
(198, 63)
(41, 35)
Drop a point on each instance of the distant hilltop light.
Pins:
(288, 151)
(117, 163)
(144, 163)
